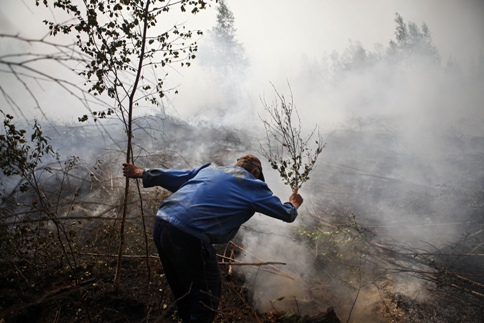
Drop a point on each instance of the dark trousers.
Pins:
(192, 271)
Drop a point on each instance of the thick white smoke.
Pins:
(400, 134)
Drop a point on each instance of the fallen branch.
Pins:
(467, 279)
(232, 262)
(275, 269)
(251, 263)
(237, 262)
(379, 245)
(432, 277)
(473, 292)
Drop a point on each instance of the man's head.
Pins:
(252, 164)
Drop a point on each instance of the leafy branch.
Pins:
(114, 37)
(18, 157)
(285, 149)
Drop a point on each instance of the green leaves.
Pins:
(285, 149)
(97, 115)
(17, 155)
(119, 39)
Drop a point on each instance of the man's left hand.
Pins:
(131, 171)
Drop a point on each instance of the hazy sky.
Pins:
(275, 31)
(274, 28)
(278, 34)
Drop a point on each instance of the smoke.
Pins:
(275, 287)
(402, 160)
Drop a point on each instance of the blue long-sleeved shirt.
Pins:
(211, 202)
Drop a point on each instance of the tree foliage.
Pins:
(18, 156)
(122, 42)
(411, 44)
(224, 51)
(410, 40)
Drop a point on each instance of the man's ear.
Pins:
(255, 172)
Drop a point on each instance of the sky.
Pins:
(283, 30)
(321, 25)
(279, 34)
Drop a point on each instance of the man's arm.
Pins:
(269, 204)
(171, 179)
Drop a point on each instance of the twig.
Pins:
(92, 254)
(274, 268)
(467, 279)
(297, 305)
(232, 252)
(265, 263)
(433, 278)
(229, 263)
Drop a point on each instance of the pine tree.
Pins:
(412, 41)
(224, 52)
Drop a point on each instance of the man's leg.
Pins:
(172, 276)
(192, 271)
(205, 297)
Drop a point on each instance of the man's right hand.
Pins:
(131, 171)
(296, 199)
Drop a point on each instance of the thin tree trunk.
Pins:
(129, 151)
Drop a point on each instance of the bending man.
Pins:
(208, 206)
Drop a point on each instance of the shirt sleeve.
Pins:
(171, 179)
(272, 206)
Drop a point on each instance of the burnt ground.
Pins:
(51, 289)
(57, 298)
(42, 282)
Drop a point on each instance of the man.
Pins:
(208, 206)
